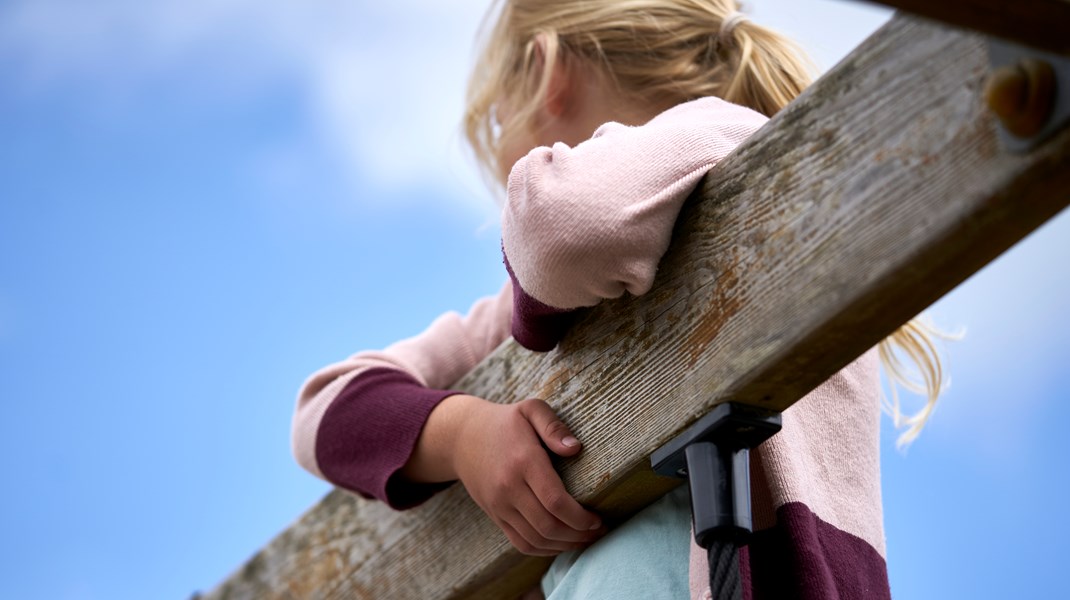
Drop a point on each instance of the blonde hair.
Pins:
(655, 53)
(916, 342)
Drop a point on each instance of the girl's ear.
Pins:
(558, 87)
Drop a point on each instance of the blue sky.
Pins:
(201, 202)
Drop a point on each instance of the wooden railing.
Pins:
(872, 195)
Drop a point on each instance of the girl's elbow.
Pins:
(303, 442)
(639, 278)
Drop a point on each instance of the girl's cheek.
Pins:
(512, 150)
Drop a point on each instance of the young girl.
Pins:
(600, 117)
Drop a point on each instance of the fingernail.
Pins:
(570, 441)
(596, 525)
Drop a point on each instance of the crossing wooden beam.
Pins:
(1043, 24)
(872, 195)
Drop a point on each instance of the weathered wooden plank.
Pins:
(876, 192)
(1043, 24)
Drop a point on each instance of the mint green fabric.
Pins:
(646, 557)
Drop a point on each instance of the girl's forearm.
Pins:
(433, 458)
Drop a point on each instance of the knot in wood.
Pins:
(1022, 96)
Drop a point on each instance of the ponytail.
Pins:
(768, 70)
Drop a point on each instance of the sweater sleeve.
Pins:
(357, 421)
(589, 223)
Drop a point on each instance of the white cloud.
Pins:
(385, 79)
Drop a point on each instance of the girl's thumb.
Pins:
(551, 430)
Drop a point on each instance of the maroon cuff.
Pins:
(369, 432)
(536, 326)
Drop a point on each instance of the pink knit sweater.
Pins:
(581, 225)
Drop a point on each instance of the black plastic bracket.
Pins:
(714, 454)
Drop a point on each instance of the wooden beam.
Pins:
(872, 195)
(1043, 24)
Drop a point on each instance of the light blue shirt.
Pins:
(646, 557)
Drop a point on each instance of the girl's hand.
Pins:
(500, 458)
(497, 452)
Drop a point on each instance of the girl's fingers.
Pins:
(551, 430)
(532, 541)
(520, 543)
(509, 475)
(546, 525)
(557, 503)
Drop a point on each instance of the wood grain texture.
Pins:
(1043, 24)
(872, 195)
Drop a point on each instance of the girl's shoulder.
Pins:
(689, 127)
(709, 111)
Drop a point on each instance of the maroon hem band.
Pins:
(805, 558)
(536, 326)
